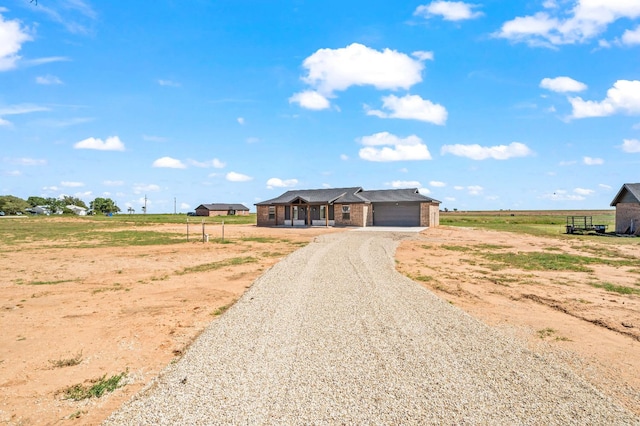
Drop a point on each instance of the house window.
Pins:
(272, 212)
(296, 211)
(346, 212)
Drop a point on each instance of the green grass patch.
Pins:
(462, 249)
(613, 288)
(221, 310)
(67, 362)
(97, 388)
(540, 261)
(423, 278)
(218, 265)
(49, 282)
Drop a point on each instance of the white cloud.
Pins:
(394, 148)
(169, 83)
(279, 183)
(631, 146)
(477, 152)
(26, 161)
(458, 188)
(331, 70)
(215, 163)
(344, 157)
(631, 37)
(449, 10)
(583, 191)
(437, 184)
(139, 188)
(405, 184)
(12, 35)
(475, 190)
(424, 191)
(589, 161)
(562, 84)
(113, 183)
(48, 79)
(169, 163)
(151, 138)
(184, 206)
(623, 97)
(310, 99)
(113, 143)
(4, 122)
(21, 109)
(13, 173)
(567, 163)
(68, 184)
(411, 107)
(563, 195)
(584, 22)
(240, 120)
(43, 61)
(423, 55)
(604, 186)
(237, 177)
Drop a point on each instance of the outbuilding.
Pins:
(222, 209)
(627, 204)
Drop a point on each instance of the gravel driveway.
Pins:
(334, 335)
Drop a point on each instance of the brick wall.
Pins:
(359, 215)
(429, 214)
(625, 213)
(262, 217)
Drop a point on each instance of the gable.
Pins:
(629, 193)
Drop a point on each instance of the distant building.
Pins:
(627, 204)
(80, 211)
(221, 209)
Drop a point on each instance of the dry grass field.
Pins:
(92, 309)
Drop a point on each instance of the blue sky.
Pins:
(483, 105)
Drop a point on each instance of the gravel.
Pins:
(334, 335)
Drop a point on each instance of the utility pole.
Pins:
(145, 204)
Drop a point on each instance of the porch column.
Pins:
(326, 216)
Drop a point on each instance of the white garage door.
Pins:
(396, 214)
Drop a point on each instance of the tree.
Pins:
(55, 205)
(68, 200)
(104, 205)
(12, 205)
(36, 201)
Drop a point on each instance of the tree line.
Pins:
(11, 205)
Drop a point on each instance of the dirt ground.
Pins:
(137, 308)
(118, 309)
(561, 314)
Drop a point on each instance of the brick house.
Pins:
(221, 209)
(349, 207)
(627, 204)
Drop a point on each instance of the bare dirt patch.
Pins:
(72, 315)
(589, 318)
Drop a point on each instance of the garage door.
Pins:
(396, 214)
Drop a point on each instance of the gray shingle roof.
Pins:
(348, 195)
(315, 196)
(223, 207)
(632, 188)
(395, 195)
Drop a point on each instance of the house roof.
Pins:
(326, 196)
(348, 195)
(222, 207)
(627, 188)
(395, 195)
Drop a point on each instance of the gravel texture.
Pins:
(334, 335)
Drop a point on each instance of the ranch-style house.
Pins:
(627, 204)
(221, 209)
(349, 207)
